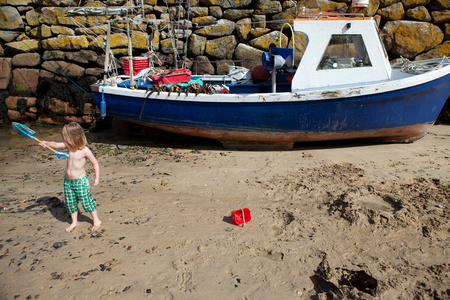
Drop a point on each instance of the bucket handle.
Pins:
(243, 216)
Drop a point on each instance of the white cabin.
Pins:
(341, 50)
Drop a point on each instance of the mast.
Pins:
(108, 49)
(130, 52)
(186, 31)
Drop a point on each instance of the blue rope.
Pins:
(47, 61)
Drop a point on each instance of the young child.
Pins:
(76, 183)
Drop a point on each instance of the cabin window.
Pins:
(345, 51)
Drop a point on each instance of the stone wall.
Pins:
(48, 59)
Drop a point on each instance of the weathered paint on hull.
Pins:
(286, 140)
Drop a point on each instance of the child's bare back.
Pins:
(76, 162)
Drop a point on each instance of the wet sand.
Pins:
(321, 209)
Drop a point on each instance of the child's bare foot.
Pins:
(71, 227)
(96, 225)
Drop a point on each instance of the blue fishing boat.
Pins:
(343, 88)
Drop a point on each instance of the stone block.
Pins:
(216, 11)
(23, 46)
(61, 108)
(437, 52)
(88, 109)
(54, 55)
(63, 30)
(198, 12)
(249, 56)
(139, 40)
(16, 116)
(69, 69)
(71, 21)
(202, 21)
(118, 40)
(414, 3)
(419, 13)
(221, 48)
(82, 57)
(6, 36)
(222, 28)
(95, 20)
(32, 18)
(176, 12)
(66, 43)
(63, 3)
(237, 14)
(96, 72)
(243, 28)
(227, 4)
(26, 60)
(257, 32)
(46, 74)
(267, 7)
(392, 12)
(50, 15)
(263, 42)
(25, 79)
(11, 101)
(5, 74)
(384, 3)
(97, 30)
(10, 18)
(45, 32)
(281, 18)
(202, 66)
(441, 16)
(410, 38)
(58, 120)
(19, 2)
(196, 45)
(166, 46)
(222, 67)
(439, 4)
(259, 21)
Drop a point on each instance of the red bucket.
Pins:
(241, 216)
(139, 64)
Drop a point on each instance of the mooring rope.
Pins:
(419, 67)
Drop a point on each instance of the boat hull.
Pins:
(404, 114)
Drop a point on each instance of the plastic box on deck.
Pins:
(171, 77)
(139, 63)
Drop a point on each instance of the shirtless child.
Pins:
(76, 183)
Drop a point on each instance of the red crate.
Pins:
(171, 77)
(139, 64)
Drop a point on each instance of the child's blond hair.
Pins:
(73, 134)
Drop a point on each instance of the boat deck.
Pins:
(284, 85)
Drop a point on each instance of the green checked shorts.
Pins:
(78, 190)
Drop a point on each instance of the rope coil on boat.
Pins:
(419, 67)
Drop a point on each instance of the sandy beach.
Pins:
(319, 212)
